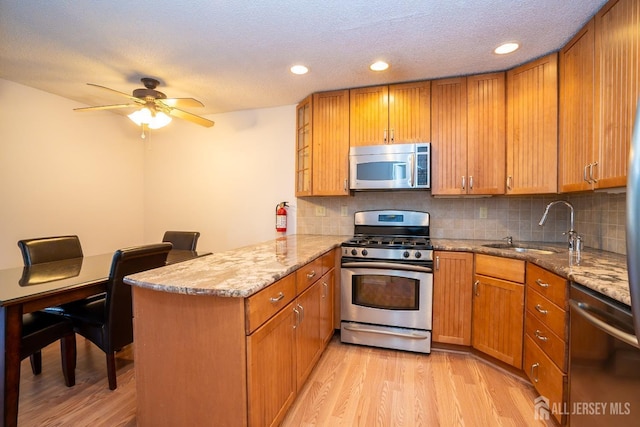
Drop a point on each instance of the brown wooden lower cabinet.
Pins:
(545, 376)
(271, 360)
(452, 281)
(545, 347)
(498, 308)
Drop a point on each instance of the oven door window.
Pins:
(386, 292)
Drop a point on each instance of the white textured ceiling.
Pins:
(235, 54)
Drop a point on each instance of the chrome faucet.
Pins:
(572, 235)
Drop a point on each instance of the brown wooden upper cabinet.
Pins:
(617, 76)
(599, 88)
(532, 127)
(468, 135)
(322, 160)
(394, 114)
(578, 149)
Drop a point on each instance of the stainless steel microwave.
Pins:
(390, 166)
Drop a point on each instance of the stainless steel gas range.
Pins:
(387, 281)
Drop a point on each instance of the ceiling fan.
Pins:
(154, 108)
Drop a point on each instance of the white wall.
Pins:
(91, 174)
(64, 172)
(223, 181)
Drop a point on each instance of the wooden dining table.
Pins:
(27, 289)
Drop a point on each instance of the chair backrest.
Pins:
(119, 313)
(184, 240)
(47, 249)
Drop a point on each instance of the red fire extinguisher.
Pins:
(281, 217)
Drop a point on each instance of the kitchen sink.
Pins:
(520, 248)
(499, 245)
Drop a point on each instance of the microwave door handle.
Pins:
(412, 171)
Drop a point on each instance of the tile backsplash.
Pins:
(599, 217)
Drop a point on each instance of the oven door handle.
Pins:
(388, 266)
(412, 335)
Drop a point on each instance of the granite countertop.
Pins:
(604, 272)
(244, 271)
(239, 272)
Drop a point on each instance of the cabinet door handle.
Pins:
(297, 322)
(346, 185)
(541, 283)
(311, 275)
(534, 377)
(393, 136)
(595, 181)
(470, 182)
(384, 136)
(301, 312)
(584, 174)
(509, 181)
(464, 183)
(541, 310)
(325, 289)
(437, 263)
(476, 292)
(539, 335)
(274, 300)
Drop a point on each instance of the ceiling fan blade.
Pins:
(126, 95)
(181, 102)
(191, 117)
(107, 107)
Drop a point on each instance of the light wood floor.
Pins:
(351, 386)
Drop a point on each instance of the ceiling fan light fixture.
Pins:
(144, 116)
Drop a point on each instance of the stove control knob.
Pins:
(354, 252)
(406, 254)
(364, 252)
(418, 254)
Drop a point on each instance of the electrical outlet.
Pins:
(344, 211)
(321, 211)
(483, 212)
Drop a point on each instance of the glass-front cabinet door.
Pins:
(303, 148)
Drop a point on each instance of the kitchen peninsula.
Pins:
(194, 324)
(199, 362)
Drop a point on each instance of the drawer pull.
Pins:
(311, 275)
(274, 300)
(541, 310)
(542, 284)
(540, 336)
(534, 377)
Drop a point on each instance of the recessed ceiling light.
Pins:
(379, 66)
(299, 69)
(505, 48)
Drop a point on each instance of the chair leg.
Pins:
(36, 363)
(68, 355)
(111, 370)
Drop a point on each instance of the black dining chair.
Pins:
(183, 240)
(108, 322)
(48, 249)
(39, 329)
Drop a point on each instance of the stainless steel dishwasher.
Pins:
(604, 362)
